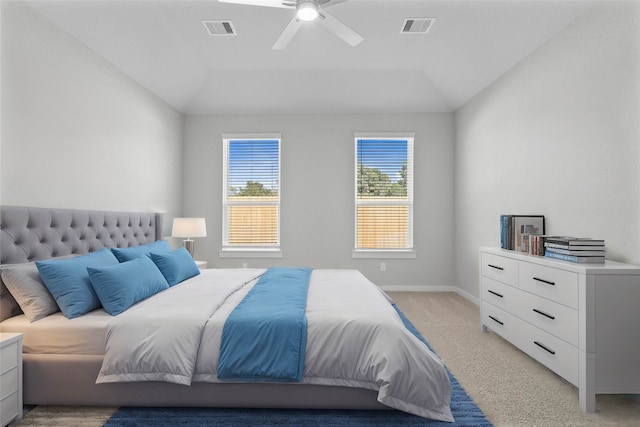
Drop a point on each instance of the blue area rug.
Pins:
(465, 412)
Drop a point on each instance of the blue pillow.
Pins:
(176, 266)
(68, 281)
(120, 286)
(133, 252)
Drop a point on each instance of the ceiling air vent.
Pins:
(219, 28)
(417, 25)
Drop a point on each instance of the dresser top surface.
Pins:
(609, 267)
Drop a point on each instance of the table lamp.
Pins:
(189, 228)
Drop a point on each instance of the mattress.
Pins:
(55, 334)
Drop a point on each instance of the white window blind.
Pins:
(251, 192)
(384, 192)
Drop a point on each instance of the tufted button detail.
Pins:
(39, 233)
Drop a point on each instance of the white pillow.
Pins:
(24, 283)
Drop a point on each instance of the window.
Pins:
(384, 192)
(251, 192)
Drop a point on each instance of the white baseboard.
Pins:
(466, 295)
(455, 289)
(418, 288)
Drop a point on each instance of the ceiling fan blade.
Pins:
(327, 3)
(287, 34)
(341, 30)
(267, 3)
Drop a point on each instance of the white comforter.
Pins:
(355, 338)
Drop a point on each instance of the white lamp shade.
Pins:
(189, 227)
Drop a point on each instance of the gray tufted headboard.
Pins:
(28, 234)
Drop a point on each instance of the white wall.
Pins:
(78, 133)
(317, 191)
(559, 135)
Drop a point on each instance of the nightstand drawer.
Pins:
(10, 377)
(499, 268)
(557, 285)
(9, 381)
(8, 357)
(9, 408)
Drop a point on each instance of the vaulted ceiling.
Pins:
(164, 46)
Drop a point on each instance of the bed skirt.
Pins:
(54, 379)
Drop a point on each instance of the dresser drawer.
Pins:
(499, 268)
(552, 352)
(556, 319)
(551, 283)
(499, 321)
(499, 294)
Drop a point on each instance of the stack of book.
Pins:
(575, 249)
(516, 229)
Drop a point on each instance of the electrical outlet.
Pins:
(245, 265)
(383, 266)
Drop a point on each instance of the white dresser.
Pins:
(10, 377)
(580, 320)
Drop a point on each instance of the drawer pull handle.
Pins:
(544, 347)
(495, 293)
(544, 281)
(496, 320)
(544, 314)
(496, 267)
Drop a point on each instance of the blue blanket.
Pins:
(265, 336)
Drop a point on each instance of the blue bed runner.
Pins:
(265, 336)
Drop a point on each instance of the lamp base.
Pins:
(189, 245)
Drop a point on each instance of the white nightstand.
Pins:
(201, 264)
(10, 377)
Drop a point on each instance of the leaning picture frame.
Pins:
(524, 225)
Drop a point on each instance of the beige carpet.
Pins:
(511, 388)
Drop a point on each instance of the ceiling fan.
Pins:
(306, 10)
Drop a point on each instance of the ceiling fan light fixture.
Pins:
(307, 10)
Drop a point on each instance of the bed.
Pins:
(100, 355)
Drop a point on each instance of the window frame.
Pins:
(408, 251)
(248, 251)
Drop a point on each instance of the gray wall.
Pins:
(559, 135)
(78, 133)
(317, 175)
